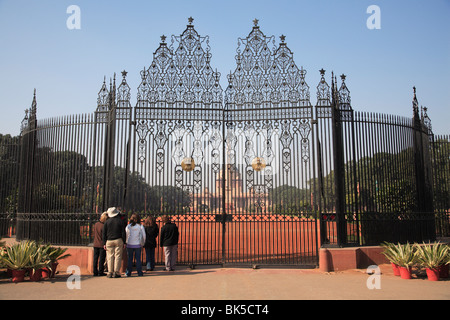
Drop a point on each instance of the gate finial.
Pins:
(34, 105)
(255, 22)
(190, 20)
(415, 103)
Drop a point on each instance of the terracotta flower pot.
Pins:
(18, 275)
(405, 272)
(396, 269)
(35, 275)
(46, 273)
(443, 271)
(433, 274)
(54, 266)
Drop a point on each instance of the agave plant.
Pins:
(432, 255)
(390, 251)
(2, 253)
(403, 255)
(55, 253)
(17, 256)
(39, 258)
(407, 256)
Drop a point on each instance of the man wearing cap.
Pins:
(114, 242)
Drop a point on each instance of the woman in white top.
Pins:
(135, 233)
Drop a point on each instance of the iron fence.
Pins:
(440, 155)
(70, 229)
(9, 187)
(374, 228)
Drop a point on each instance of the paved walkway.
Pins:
(216, 283)
(221, 285)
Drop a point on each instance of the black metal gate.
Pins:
(237, 179)
(269, 156)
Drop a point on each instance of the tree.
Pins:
(9, 172)
(287, 199)
(170, 200)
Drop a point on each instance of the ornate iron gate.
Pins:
(269, 156)
(178, 143)
(235, 178)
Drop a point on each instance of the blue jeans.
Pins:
(150, 257)
(137, 255)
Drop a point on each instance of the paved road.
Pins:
(216, 283)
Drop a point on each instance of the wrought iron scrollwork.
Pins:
(267, 84)
(181, 84)
(346, 111)
(181, 74)
(265, 74)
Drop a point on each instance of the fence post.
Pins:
(422, 163)
(339, 168)
(28, 157)
(110, 147)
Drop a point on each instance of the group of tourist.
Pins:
(113, 234)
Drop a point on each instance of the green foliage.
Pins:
(441, 165)
(30, 254)
(403, 255)
(55, 253)
(427, 255)
(168, 200)
(287, 199)
(406, 255)
(391, 252)
(385, 182)
(432, 255)
(17, 256)
(9, 172)
(38, 257)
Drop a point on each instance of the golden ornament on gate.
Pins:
(258, 164)
(187, 164)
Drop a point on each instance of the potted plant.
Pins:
(444, 268)
(54, 255)
(17, 259)
(406, 259)
(390, 251)
(2, 254)
(39, 259)
(431, 257)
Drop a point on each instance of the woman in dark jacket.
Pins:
(151, 231)
(169, 241)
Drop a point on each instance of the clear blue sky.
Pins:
(67, 67)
